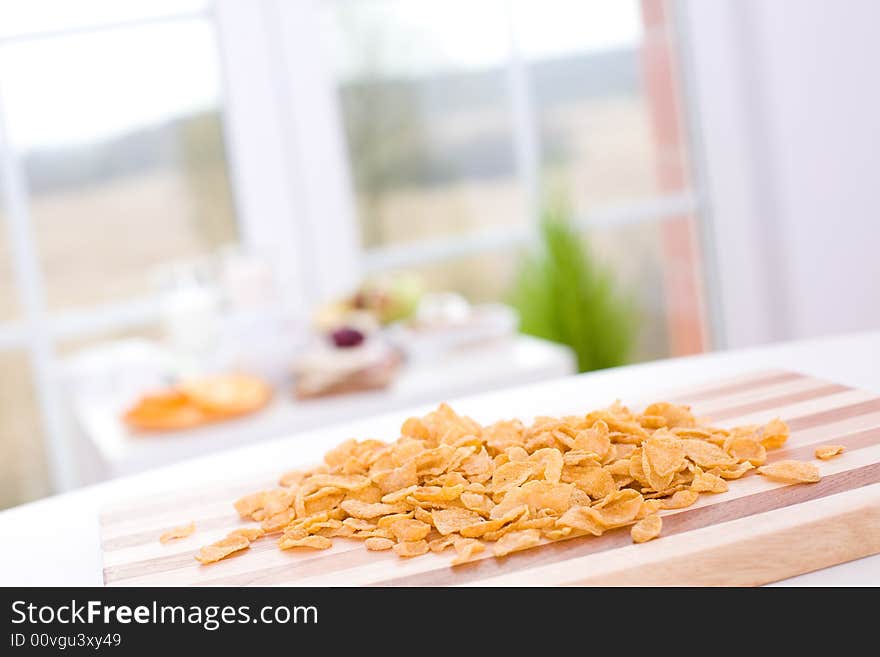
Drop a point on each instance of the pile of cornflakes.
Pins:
(450, 482)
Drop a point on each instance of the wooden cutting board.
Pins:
(757, 532)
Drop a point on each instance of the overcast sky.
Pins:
(72, 89)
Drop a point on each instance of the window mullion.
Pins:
(286, 145)
(526, 140)
(438, 250)
(31, 290)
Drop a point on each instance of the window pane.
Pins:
(132, 173)
(68, 347)
(423, 88)
(23, 474)
(593, 70)
(480, 278)
(635, 255)
(29, 16)
(639, 257)
(8, 294)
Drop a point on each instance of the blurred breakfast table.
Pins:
(33, 556)
(108, 448)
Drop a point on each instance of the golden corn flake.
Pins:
(342, 531)
(222, 549)
(706, 454)
(277, 501)
(549, 462)
(453, 519)
(510, 475)
(584, 519)
(649, 507)
(734, 472)
(448, 481)
(517, 540)
(378, 544)
(494, 524)
(477, 502)
(746, 449)
(250, 504)
(620, 508)
(404, 476)
(594, 480)
(662, 454)
(673, 416)
(178, 532)
(680, 499)
(250, 533)
(826, 452)
(466, 549)
(359, 524)
(409, 529)
(646, 529)
(411, 548)
(367, 511)
(440, 544)
(707, 482)
(277, 522)
(385, 521)
(774, 435)
(540, 495)
(791, 472)
(312, 542)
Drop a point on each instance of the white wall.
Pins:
(788, 98)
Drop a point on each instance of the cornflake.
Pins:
(791, 472)
(378, 544)
(646, 529)
(825, 452)
(449, 481)
(178, 532)
(222, 548)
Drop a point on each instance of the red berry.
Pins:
(347, 337)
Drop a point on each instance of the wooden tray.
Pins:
(757, 532)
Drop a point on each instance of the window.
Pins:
(113, 162)
(132, 173)
(22, 452)
(336, 137)
(430, 136)
(8, 299)
(460, 116)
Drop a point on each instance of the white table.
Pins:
(479, 368)
(33, 556)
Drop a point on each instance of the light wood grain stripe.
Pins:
(145, 537)
(750, 383)
(776, 402)
(182, 499)
(834, 415)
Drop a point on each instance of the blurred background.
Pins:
(225, 221)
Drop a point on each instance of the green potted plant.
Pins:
(563, 294)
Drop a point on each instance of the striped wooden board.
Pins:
(757, 532)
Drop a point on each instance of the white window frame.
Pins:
(292, 187)
(279, 112)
